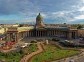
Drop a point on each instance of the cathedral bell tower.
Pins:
(39, 21)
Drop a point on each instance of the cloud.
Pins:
(60, 13)
(81, 9)
(65, 15)
(56, 10)
(82, 1)
(17, 7)
(79, 17)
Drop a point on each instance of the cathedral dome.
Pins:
(39, 21)
(39, 17)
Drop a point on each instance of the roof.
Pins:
(21, 29)
(57, 28)
(2, 31)
(82, 28)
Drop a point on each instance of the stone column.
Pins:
(47, 33)
(54, 32)
(39, 33)
(29, 34)
(36, 33)
(70, 35)
(76, 34)
(51, 32)
(42, 33)
(16, 37)
(7, 37)
(25, 34)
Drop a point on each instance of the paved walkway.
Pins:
(27, 58)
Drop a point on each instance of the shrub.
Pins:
(33, 41)
(55, 39)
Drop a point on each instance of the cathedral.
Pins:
(43, 30)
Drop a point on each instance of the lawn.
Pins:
(16, 56)
(53, 53)
(11, 57)
(32, 48)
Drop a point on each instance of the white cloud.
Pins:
(82, 1)
(58, 14)
(79, 17)
(81, 9)
(75, 18)
(68, 15)
(44, 15)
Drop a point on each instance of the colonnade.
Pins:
(43, 33)
(38, 33)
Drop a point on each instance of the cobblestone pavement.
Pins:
(27, 58)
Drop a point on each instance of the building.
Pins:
(42, 30)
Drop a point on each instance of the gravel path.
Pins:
(27, 58)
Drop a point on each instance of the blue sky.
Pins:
(53, 11)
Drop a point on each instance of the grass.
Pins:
(32, 48)
(16, 56)
(10, 57)
(53, 53)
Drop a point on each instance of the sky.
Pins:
(53, 11)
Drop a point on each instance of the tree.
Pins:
(64, 23)
(20, 25)
(79, 27)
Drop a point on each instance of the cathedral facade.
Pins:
(42, 30)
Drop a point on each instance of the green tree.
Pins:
(79, 27)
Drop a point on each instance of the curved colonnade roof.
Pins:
(21, 29)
